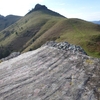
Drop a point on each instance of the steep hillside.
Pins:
(75, 31)
(16, 36)
(7, 21)
(50, 73)
(41, 25)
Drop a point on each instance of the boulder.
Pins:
(50, 73)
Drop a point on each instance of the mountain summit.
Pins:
(40, 7)
(44, 9)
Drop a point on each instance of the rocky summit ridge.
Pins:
(55, 71)
(66, 46)
(39, 7)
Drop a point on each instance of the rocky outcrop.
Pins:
(44, 9)
(66, 46)
(50, 73)
(39, 7)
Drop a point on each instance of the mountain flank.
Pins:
(41, 25)
(50, 73)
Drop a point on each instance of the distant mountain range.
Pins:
(42, 24)
(96, 22)
(7, 21)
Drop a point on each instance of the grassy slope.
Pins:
(74, 31)
(20, 33)
(38, 27)
(85, 34)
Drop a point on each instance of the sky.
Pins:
(84, 9)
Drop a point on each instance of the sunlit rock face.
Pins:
(50, 73)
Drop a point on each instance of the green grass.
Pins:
(36, 28)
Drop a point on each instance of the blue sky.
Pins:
(83, 9)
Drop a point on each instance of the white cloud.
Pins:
(18, 7)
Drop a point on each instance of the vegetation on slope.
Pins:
(39, 26)
(20, 33)
(74, 31)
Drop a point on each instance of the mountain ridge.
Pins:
(37, 27)
(8, 20)
(39, 7)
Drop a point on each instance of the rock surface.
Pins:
(50, 73)
(66, 46)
